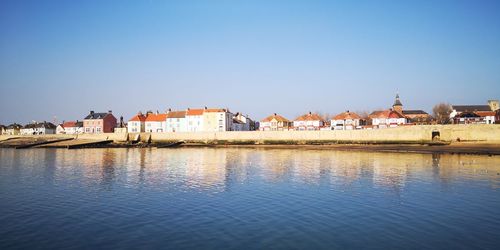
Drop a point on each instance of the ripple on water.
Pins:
(245, 198)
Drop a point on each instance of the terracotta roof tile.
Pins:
(485, 113)
(176, 114)
(138, 118)
(216, 110)
(72, 124)
(194, 112)
(278, 118)
(309, 117)
(156, 117)
(347, 116)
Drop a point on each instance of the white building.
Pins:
(387, 118)
(176, 121)
(308, 121)
(194, 120)
(275, 122)
(156, 122)
(38, 128)
(242, 123)
(346, 121)
(217, 120)
(13, 129)
(485, 113)
(137, 123)
(70, 128)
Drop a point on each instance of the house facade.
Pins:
(275, 122)
(484, 114)
(387, 119)
(176, 121)
(308, 121)
(194, 120)
(96, 123)
(346, 121)
(417, 117)
(156, 122)
(479, 117)
(38, 128)
(13, 129)
(137, 124)
(242, 123)
(217, 120)
(70, 128)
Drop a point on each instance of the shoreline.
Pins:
(471, 148)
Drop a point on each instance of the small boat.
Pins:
(171, 145)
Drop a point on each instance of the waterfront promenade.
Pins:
(475, 139)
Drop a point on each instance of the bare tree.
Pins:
(442, 112)
(365, 117)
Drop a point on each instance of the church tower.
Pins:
(397, 106)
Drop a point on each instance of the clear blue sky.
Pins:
(64, 58)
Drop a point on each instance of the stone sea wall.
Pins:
(481, 133)
(478, 133)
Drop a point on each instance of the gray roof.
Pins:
(14, 126)
(471, 108)
(96, 116)
(46, 125)
(397, 102)
(414, 112)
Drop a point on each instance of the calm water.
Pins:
(244, 198)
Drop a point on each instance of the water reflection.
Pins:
(218, 170)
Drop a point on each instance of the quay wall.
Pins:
(475, 133)
(481, 133)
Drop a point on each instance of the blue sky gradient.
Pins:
(64, 58)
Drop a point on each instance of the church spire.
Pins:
(397, 106)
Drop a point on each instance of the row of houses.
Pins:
(92, 123)
(393, 117)
(34, 128)
(347, 120)
(221, 119)
(190, 120)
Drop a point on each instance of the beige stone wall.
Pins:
(479, 132)
(484, 133)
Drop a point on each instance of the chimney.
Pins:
(110, 111)
(92, 112)
(275, 114)
(205, 107)
(310, 113)
(188, 109)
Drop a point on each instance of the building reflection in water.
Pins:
(216, 170)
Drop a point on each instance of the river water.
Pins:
(220, 198)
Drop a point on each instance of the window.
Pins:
(98, 129)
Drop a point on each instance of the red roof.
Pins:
(156, 117)
(176, 114)
(485, 113)
(278, 118)
(71, 124)
(216, 110)
(194, 112)
(138, 118)
(386, 114)
(347, 116)
(309, 117)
